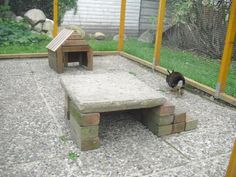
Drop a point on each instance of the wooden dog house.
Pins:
(69, 46)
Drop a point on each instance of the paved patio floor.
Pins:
(34, 139)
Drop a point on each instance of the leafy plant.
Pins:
(132, 73)
(5, 11)
(185, 10)
(20, 33)
(182, 11)
(201, 26)
(152, 21)
(63, 138)
(72, 155)
(4, 8)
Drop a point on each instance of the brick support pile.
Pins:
(84, 127)
(166, 120)
(162, 120)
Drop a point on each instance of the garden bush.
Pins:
(12, 32)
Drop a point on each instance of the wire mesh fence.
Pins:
(193, 39)
(200, 33)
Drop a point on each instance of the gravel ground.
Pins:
(35, 140)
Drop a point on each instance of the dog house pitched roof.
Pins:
(59, 39)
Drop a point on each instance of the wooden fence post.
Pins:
(159, 32)
(228, 50)
(55, 17)
(231, 171)
(122, 25)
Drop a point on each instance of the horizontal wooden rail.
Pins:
(105, 53)
(23, 55)
(45, 55)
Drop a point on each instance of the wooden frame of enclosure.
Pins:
(226, 58)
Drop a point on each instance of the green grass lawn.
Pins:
(201, 69)
(33, 48)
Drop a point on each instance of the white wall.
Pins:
(104, 16)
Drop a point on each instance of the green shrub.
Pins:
(12, 32)
(4, 9)
(21, 6)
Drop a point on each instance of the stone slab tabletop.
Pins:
(110, 92)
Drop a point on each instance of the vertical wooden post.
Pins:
(159, 31)
(55, 17)
(228, 50)
(122, 25)
(231, 171)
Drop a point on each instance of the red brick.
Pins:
(151, 116)
(165, 110)
(83, 119)
(180, 116)
(179, 127)
(190, 123)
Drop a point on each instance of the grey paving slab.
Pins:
(14, 86)
(118, 156)
(32, 121)
(14, 67)
(40, 67)
(53, 167)
(28, 133)
(110, 92)
(212, 167)
(181, 171)
(28, 123)
(125, 140)
(215, 166)
(53, 95)
(21, 148)
(198, 145)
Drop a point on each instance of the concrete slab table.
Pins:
(89, 95)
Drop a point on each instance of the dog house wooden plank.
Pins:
(75, 49)
(75, 43)
(75, 36)
(59, 39)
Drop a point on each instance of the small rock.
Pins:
(76, 28)
(148, 36)
(38, 27)
(35, 16)
(116, 37)
(48, 26)
(8, 15)
(99, 36)
(19, 18)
